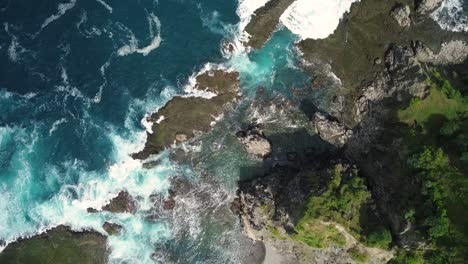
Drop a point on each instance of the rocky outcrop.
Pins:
(122, 203)
(264, 22)
(401, 13)
(256, 144)
(58, 245)
(452, 52)
(331, 130)
(426, 6)
(183, 118)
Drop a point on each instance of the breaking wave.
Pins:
(451, 16)
(315, 19)
(132, 47)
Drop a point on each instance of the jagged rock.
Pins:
(123, 203)
(255, 142)
(452, 52)
(91, 210)
(401, 13)
(426, 6)
(112, 228)
(331, 130)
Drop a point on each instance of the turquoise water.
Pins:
(76, 80)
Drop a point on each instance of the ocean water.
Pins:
(76, 80)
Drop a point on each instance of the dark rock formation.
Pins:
(265, 21)
(182, 117)
(58, 245)
(123, 203)
(331, 130)
(112, 228)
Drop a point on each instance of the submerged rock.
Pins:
(123, 203)
(112, 228)
(58, 245)
(255, 142)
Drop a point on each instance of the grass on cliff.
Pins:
(345, 203)
(443, 102)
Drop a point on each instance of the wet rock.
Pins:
(265, 21)
(169, 203)
(235, 206)
(91, 210)
(187, 117)
(123, 203)
(331, 130)
(58, 245)
(426, 6)
(151, 164)
(112, 228)
(401, 13)
(255, 142)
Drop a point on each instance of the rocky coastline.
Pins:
(383, 53)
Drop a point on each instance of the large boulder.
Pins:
(331, 130)
(401, 13)
(255, 142)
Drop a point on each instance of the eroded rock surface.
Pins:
(182, 118)
(264, 22)
(401, 13)
(255, 142)
(331, 130)
(426, 6)
(58, 245)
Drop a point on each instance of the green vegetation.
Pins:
(358, 255)
(443, 101)
(317, 234)
(437, 146)
(274, 231)
(344, 203)
(380, 238)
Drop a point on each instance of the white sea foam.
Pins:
(450, 16)
(148, 125)
(62, 8)
(246, 9)
(108, 7)
(315, 19)
(15, 50)
(56, 124)
(132, 47)
(191, 88)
